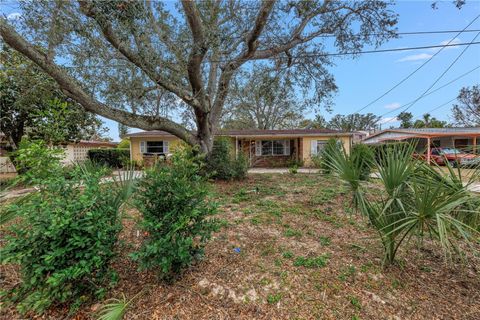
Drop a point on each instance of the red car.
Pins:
(454, 156)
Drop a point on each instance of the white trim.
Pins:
(313, 147)
(143, 147)
(166, 147)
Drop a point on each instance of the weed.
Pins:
(274, 298)
(287, 255)
(316, 262)
(355, 302)
(325, 241)
(292, 233)
(346, 273)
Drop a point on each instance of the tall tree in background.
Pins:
(264, 100)
(353, 122)
(122, 130)
(32, 104)
(131, 59)
(467, 111)
(427, 121)
(406, 119)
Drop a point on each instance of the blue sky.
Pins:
(365, 78)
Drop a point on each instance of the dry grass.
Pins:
(302, 256)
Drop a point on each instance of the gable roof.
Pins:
(251, 133)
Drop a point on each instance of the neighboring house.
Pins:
(427, 138)
(262, 148)
(78, 151)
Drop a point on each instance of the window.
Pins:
(272, 148)
(320, 146)
(154, 147)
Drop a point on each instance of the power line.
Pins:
(439, 88)
(436, 80)
(436, 108)
(416, 70)
(298, 56)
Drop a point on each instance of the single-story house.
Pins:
(427, 138)
(78, 151)
(262, 148)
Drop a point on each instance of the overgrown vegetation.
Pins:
(64, 240)
(223, 164)
(112, 157)
(418, 201)
(36, 162)
(176, 215)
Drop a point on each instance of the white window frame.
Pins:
(259, 149)
(144, 147)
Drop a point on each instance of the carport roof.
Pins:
(402, 134)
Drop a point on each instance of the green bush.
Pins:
(172, 200)
(220, 164)
(64, 241)
(35, 161)
(124, 144)
(365, 157)
(112, 157)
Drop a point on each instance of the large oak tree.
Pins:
(136, 62)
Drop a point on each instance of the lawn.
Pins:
(289, 247)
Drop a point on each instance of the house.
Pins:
(262, 148)
(78, 151)
(427, 138)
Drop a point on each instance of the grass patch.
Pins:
(274, 298)
(315, 262)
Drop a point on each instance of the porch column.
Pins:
(236, 147)
(475, 145)
(428, 150)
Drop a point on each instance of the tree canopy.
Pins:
(427, 121)
(31, 104)
(348, 123)
(466, 112)
(138, 62)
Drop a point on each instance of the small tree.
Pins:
(172, 200)
(222, 164)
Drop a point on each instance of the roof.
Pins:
(252, 133)
(402, 134)
(95, 143)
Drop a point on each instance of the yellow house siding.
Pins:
(307, 142)
(135, 154)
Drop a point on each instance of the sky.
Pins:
(367, 77)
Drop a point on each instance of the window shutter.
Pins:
(313, 147)
(258, 148)
(286, 149)
(142, 147)
(165, 147)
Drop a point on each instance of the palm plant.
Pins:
(114, 309)
(418, 202)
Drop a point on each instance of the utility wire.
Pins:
(436, 108)
(416, 70)
(298, 56)
(436, 80)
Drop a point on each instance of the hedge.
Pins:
(114, 158)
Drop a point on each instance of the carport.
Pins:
(467, 139)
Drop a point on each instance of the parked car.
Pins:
(454, 156)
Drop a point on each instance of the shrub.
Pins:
(365, 157)
(65, 240)
(35, 161)
(172, 200)
(114, 158)
(220, 164)
(124, 144)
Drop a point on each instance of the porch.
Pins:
(270, 152)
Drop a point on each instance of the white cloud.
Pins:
(452, 41)
(14, 16)
(392, 106)
(415, 57)
(387, 120)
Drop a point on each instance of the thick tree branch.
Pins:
(149, 69)
(72, 89)
(229, 69)
(198, 51)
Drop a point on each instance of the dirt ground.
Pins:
(289, 248)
